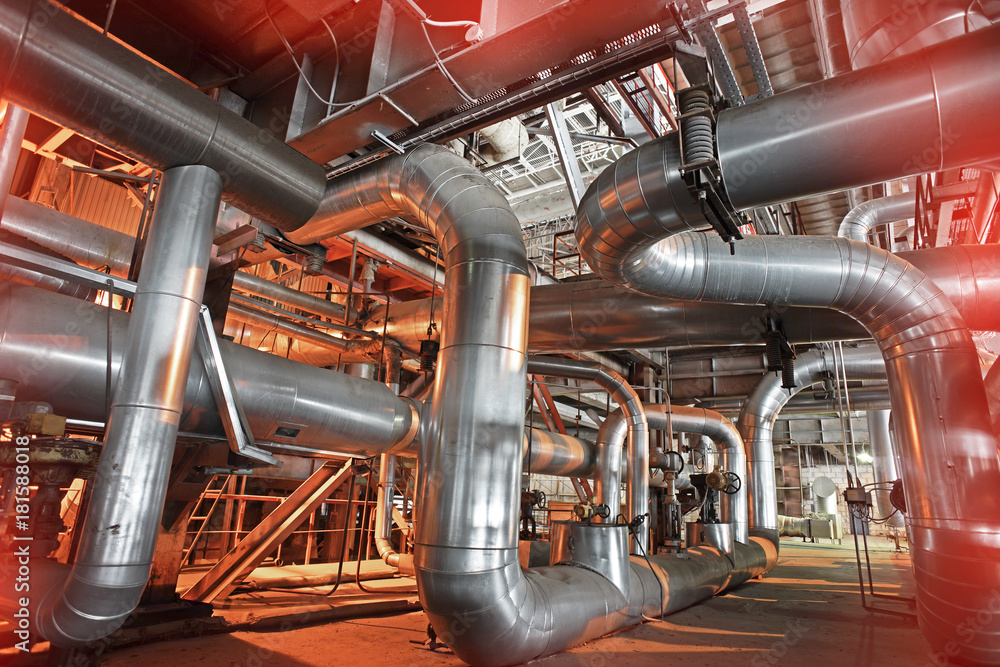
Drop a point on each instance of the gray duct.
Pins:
(756, 422)
(66, 71)
(865, 217)
(883, 465)
(119, 533)
(924, 341)
(876, 31)
(609, 447)
(928, 111)
(56, 347)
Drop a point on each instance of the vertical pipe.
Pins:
(883, 464)
(120, 530)
(10, 148)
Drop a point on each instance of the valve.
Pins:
(588, 511)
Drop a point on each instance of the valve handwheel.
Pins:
(671, 452)
(733, 483)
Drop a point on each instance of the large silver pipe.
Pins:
(64, 70)
(119, 532)
(608, 466)
(311, 346)
(921, 336)
(756, 423)
(864, 217)
(876, 31)
(728, 445)
(883, 464)
(592, 316)
(251, 284)
(547, 453)
(83, 242)
(14, 122)
(56, 347)
(923, 112)
(469, 479)
(969, 275)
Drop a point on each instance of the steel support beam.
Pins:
(565, 151)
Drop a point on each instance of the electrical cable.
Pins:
(440, 64)
(336, 51)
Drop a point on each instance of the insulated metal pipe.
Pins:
(756, 423)
(251, 284)
(56, 347)
(120, 530)
(863, 218)
(383, 517)
(883, 465)
(64, 70)
(608, 466)
(921, 335)
(947, 446)
(469, 479)
(83, 242)
(547, 453)
(15, 120)
(923, 112)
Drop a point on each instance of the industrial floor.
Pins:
(806, 612)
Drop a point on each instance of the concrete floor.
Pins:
(806, 612)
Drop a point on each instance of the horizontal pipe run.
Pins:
(56, 347)
(65, 70)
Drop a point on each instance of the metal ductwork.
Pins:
(923, 339)
(865, 217)
(119, 534)
(15, 121)
(992, 383)
(756, 422)
(883, 465)
(66, 342)
(609, 447)
(877, 31)
(64, 70)
(926, 111)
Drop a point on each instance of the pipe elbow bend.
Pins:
(93, 603)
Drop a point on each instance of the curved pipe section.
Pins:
(119, 533)
(863, 218)
(609, 446)
(383, 517)
(921, 336)
(64, 70)
(756, 423)
(729, 446)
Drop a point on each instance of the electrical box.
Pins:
(858, 495)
